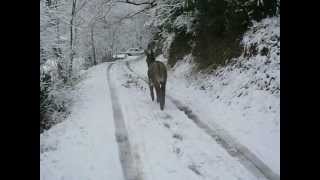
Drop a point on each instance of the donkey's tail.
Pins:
(162, 78)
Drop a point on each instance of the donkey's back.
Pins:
(157, 72)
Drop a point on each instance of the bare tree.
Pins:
(93, 44)
(73, 14)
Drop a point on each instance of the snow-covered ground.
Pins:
(164, 144)
(83, 146)
(242, 98)
(168, 144)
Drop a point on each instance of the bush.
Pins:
(45, 101)
(210, 29)
(179, 48)
(54, 100)
(218, 27)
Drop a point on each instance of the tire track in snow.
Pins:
(129, 163)
(248, 159)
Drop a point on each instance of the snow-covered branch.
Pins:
(151, 3)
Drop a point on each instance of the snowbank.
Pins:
(83, 146)
(242, 97)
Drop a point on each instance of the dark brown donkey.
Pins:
(157, 76)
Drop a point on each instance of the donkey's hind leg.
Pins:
(151, 91)
(158, 92)
(163, 95)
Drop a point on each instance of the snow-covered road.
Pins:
(167, 144)
(245, 156)
(116, 132)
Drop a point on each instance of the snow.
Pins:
(166, 44)
(167, 144)
(49, 65)
(83, 146)
(242, 98)
(119, 56)
(183, 22)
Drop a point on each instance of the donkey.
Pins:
(157, 76)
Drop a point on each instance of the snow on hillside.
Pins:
(243, 97)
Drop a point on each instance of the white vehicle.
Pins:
(119, 56)
(134, 52)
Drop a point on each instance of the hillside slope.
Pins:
(242, 97)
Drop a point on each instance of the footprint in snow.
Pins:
(177, 136)
(166, 125)
(195, 169)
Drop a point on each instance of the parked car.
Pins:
(134, 52)
(119, 56)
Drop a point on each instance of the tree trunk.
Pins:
(113, 41)
(74, 2)
(59, 63)
(92, 45)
